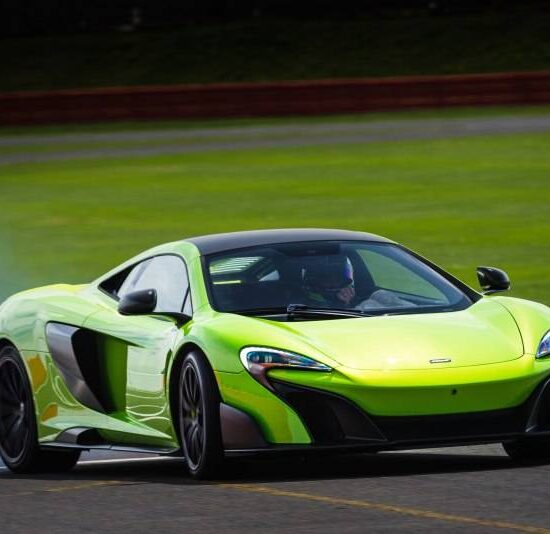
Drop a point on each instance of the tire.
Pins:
(199, 417)
(528, 451)
(19, 447)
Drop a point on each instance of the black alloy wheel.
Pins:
(193, 421)
(15, 412)
(200, 417)
(19, 447)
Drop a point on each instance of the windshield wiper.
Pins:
(261, 311)
(303, 309)
(293, 310)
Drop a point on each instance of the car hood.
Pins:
(484, 333)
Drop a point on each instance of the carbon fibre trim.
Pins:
(81, 436)
(239, 430)
(210, 244)
(85, 438)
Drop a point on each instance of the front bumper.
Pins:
(333, 420)
(460, 406)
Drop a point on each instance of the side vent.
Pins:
(75, 352)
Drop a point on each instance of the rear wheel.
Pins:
(532, 450)
(19, 446)
(199, 417)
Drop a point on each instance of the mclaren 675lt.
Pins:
(271, 341)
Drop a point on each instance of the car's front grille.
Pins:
(453, 426)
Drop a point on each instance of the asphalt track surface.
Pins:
(470, 489)
(138, 144)
(463, 489)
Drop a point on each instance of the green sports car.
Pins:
(271, 341)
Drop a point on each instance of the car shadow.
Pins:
(282, 469)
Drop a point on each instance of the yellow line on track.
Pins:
(390, 508)
(63, 489)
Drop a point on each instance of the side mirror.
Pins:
(138, 303)
(492, 280)
(144, 302)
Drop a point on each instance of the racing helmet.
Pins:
(328, 274)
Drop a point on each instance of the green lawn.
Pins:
(461, 202)
(265, 50)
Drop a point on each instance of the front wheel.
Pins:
(199, 417)
(19, 447)
(525, 451)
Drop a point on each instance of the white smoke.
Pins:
(12, 278)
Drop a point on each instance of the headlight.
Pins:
(258, 360)
(544, 347)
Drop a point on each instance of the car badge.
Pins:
(441, 360)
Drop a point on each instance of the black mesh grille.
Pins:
(453, 426)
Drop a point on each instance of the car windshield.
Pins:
(364, 277)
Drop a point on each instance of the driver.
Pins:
(329, 282)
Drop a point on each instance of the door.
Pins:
(134, 351)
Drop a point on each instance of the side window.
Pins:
(168, 276)
(128, 285)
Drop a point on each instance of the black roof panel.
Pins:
(211, 244)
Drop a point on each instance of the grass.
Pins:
(461, 202)
(265, 50)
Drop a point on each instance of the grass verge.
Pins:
(462, 202)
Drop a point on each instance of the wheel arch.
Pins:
(237, 429)
(5, 342)
(173, 377)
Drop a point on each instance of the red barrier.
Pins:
(273, 99)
